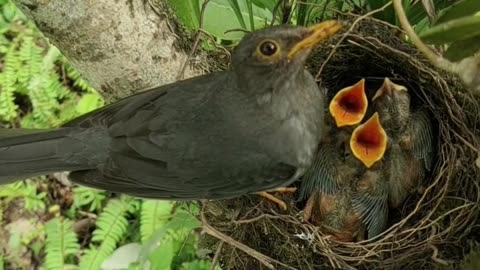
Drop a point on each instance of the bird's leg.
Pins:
(307, 211)
(274, 199)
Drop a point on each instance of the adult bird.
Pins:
(252, 128)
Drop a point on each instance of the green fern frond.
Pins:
(34, 201)
(31, 62)
(77, 79)
(61, 242)
(84, 196)
(8, 78)
(111, 227)
(154, 215)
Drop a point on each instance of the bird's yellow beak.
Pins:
(369, 141)
(349, 105)
(318, 33)
(388, 87)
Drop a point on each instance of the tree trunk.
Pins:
(120, 47)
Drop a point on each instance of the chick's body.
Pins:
(410, 149)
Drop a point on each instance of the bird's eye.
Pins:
(268, 48)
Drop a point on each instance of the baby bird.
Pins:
(347, 108)
(330, 184)
(368, 144)
(410, 148)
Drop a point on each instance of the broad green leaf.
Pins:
(122, 257)
(181, 221)
(9, 11)
(451, 31)
(463, 48)
(188, 11)
(220, 17)
(238, 12)
(265, 4)
(88, 103)
(198, 265)
(162, 258)
(458, 10)
(250, 14)
(417, 12)
(387, 14)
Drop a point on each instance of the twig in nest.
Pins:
(263, 259)
(345, 35)
(217, 256)
(197, 41)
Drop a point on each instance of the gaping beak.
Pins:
(369, 141)
(349, 105)
(388, 88)
(318, 33)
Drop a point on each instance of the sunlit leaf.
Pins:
(451, 31)
(459, 10)
(463, 48)
(188, 11)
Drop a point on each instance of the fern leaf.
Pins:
(154, 215)
(111, 227)
(61, 242)
(8, 78)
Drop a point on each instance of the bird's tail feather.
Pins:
(25, 153)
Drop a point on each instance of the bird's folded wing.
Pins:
(321, 176)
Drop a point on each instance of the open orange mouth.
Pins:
(349, 105)
(369, 141)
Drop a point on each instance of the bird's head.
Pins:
(368, 142)
(392, 102)
(277, 53)
(349, 105)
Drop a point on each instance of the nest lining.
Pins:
(431, 228)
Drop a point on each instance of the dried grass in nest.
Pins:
(430, 230)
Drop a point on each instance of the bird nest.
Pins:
(431, 228)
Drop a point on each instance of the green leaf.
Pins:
(197, 265)
(161, 259)
(182, 223)
(188, 11)
(265, 4)
(451, 31)
(458, 10)
(154, 215)
(61, 242)
(122, 257)
(417, 12)
(88, 103)
(387, 14)
(238, 12)
(221, 11)
(9, 11)
(463, 48)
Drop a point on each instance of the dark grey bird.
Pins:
(252, 128)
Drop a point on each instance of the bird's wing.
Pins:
(398, 175)
(159, 149)
(321, 174)
(372, 204)
(422, 138)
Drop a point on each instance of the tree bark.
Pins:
(120, 47)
